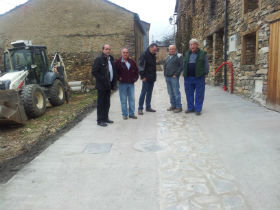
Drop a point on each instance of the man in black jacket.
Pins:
(103, 69)
(147, 71)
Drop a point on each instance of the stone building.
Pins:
(77, 29)
(146, 36)
(244, 32)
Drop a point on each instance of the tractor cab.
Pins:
(27, 57)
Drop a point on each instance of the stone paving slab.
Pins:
(98, 148)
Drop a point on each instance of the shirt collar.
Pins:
(195, 52)
(172, 55)
(124, 60)
(105, 56)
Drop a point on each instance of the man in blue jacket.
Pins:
(147, 71)
(196, 66)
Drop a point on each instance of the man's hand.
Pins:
(120, 78)
(144, 79)
(174, 76)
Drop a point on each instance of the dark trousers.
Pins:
(147, 90)
(103, 105)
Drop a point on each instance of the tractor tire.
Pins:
(34, 100)
(57, 93)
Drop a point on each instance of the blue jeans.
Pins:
(195, 85)
(173, 88)
(147, 90)
(126, 91)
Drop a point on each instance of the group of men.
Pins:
(107, 72)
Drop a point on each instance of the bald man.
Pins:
(127, 74)
(173, 66)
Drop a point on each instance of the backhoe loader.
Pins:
(28, 80)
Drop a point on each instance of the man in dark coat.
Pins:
(147, 71)
(127, 74)
(103, 69)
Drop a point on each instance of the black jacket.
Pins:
(147, 66)
(100, 70)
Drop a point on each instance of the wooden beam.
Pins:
(273, 17)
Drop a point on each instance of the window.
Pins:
(249, 49)
(38, 60)
(7, 65)
(250, 5)
(209, 48)
(218, 47)
(20, 59)
(193, 7)
(212, 8)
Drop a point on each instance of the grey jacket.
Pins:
(173, 65)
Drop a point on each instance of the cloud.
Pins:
(7, 5)
(156, 12)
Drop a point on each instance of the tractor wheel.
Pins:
(34, 100)
(57, 93)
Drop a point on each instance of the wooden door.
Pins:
(273, 94)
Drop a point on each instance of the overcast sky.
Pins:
(6, 5)
(156, 12)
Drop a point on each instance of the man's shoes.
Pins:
(132, 117)
(102, 124)
(109, 121)
(171, 108)
(140, 112)
(125, 117)
(150, 110)
(177, 110)
(188, 111)
(198, 113)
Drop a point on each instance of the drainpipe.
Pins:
(225, 43)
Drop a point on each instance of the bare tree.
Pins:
(168, 39)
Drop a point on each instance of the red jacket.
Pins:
(123, 74)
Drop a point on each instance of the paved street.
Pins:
(226, 159)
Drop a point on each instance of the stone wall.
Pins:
(139, 42)
(249, 31)
(78, 66)
(77, 29)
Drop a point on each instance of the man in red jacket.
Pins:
(127, 74)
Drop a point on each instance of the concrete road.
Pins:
(226, 159)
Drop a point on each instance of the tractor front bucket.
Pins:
(11, 108)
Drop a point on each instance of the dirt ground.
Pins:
(16, 142)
